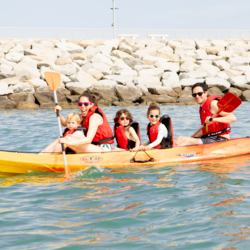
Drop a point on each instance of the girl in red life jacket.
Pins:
(73, 121)
(127, 132)
(99, 136)
(156, 130)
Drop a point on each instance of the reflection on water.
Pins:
(201, 205)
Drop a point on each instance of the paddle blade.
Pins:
(53, 79)
(229, 102)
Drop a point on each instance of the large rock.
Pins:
(151, 60)
(63, 61)
(131, 62)
(22, 97)
(235, 91)
(105, 92)
(221, 43)
(82, 76)
(190, 82)
(151, 72)
(166, 49)
(126, 72)
(245, 95)
(96, 74)
(100, 58)
(43, 45)
(167, 56)
(232, 73)
(171, 76)
(215, 91)
(6, 103)
(14, 56)
(120, 79)
(61, 52)
(6, 46)
(6, 74)
(143, 52)
(18, 48)
(238, 61)
(37, 82)
(202, 44)
(193, 74)
(60, 90)
(101, 67)
(125, 48)
(104, 49)
(222, 84)
(186, 96)
(48, 98)
(114, 43)
(222, 64)
(70, 47)
(42, 52)
(174, 43)
(81, 56)
(188, 66)
(30, 69)
(237, 50)
(4, 89)
(162, 90)
(87, 42)
(77, 88)
(11, 81)
(168, 66)
(128, 93)
(160, 98)
(121, 54)
(239, 82)
(5, 67)
(67, 69)
(209, 69)
(22, 87)
(149, 82)
(241, 68)
(176, 86)
(92, 51)
(27, 105)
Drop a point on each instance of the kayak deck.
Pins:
(19, 163)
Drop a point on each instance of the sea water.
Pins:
(188, 206)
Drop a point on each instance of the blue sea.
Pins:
(186, 206)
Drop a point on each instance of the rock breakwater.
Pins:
(126, 72)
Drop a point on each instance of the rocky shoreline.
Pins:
(121, 73)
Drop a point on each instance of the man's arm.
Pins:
(226, 117)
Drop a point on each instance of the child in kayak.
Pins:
(156, 131)
(73, 121)
(127, 131)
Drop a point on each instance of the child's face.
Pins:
(154, 116)
(124, 120)
(72, 124)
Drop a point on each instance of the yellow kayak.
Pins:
(19, 163)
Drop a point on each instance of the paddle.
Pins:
(228, 103)
(53, 79)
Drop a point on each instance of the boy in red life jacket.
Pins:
(127, 131)
(73, 121)
(156, 131)
(216, 130)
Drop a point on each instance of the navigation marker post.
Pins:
(113, 24)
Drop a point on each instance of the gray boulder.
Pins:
(128, 93)
(235, 91)
(215, 91)
(6, 103)
(245, 95)
(77, 88)
(149, 82)
(22, 97)
(222, 84)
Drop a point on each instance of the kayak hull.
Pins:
(20, 163)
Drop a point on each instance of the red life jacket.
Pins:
(104, 133)
(216, 128)
(152, 132)
(68, 131)
(122, 140)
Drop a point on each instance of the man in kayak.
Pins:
(216, 130)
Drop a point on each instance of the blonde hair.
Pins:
(153, 106)
(74, 116)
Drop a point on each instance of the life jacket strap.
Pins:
(217, 132)
(103, 141)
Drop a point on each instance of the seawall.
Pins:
(121, 73)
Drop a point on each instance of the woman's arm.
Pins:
(94, 121)
(62, 119)
(135, 137)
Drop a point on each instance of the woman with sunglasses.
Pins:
(156, 131)
(99, 136)
(127, 131)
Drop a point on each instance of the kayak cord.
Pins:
(134, 160)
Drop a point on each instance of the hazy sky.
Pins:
(136, 14)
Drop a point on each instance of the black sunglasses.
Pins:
(122, 118)
(199, 94)
(86, 104)
(152, 116)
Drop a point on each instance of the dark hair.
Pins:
(92, 98)
(153, 106)
(119, 114)
(200, 84)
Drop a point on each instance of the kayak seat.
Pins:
(167, 122)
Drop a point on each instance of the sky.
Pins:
(132, 14)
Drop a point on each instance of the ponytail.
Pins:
(153, 106)
(92, 98)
